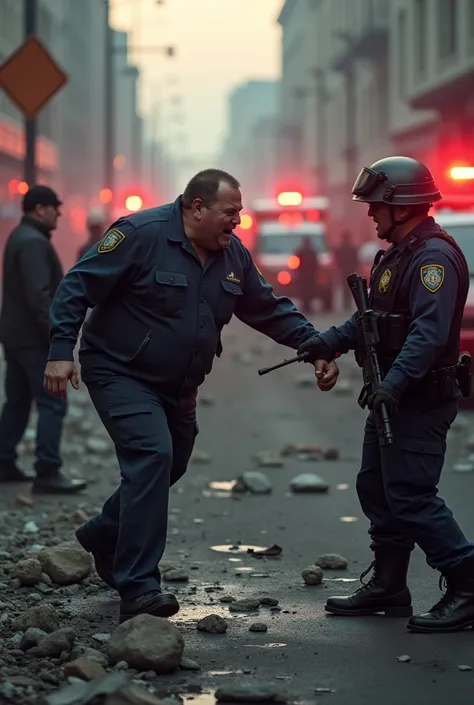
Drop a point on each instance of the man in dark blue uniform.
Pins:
(162, 284)
(418, 289)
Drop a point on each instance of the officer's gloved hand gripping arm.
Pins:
(432, 297)
(91, 281)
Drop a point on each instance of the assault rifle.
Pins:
(368, 341)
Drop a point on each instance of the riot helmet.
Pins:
(396, 181)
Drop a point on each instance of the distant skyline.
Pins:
(219, 45)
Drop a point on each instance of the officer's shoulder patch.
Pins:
(432, 276)
(111, 241)
(384, 281)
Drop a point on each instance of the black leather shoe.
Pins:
(455, 611)
(10, 472)
(104, 562)
(156, 603)
(57, 483)
(385, 592)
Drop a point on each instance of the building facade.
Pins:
(373, 78)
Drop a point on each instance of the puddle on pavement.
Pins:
(199, 698)
(235, 560)
(193, 613)
(349, 520)
(341, 580)
(342, 486)
(233, 548)
(265, 646)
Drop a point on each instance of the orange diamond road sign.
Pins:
(30, 77)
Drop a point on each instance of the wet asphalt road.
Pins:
(304, 649)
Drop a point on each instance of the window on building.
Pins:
(402, 57)
(447, 28)
(421, 18)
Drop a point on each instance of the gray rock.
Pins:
(312, 575)
(31, 638)
(331, 561)
(66, 564)
(176, 575)
(269, 459)
(258, 627)
(256, 482)
(212, 624)
(463, 467)
(27, 571)
(268, 602)
(248, 604)
(53, 645)
(31, 527)
(99, 446)
(147, 643)
(309, 482)
(188, 664)
(227, 599)
(42, 617)
(243, 693)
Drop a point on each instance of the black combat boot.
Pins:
(455, 611)
(386, 590)
(156, 603)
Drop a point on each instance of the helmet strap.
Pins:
(387, 235)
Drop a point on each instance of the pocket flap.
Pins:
(171, 278)
(231, 288)
(130, 409)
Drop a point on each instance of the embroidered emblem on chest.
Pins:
(432, 277)
(384, 281)
(232, 278)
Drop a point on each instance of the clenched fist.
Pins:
(56, 376)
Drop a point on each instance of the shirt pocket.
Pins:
(227, 302)
(170, 293)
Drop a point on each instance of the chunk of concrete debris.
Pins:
(42, 617)
(404, 659)
(256, 482)
(200, 457)
(269, 459)
(28, 571)
(212, 624)
(31, 638)
(65, 564)
(301, 449)
(176, 575)
(248, 604)
(331, 561)
(308, 482)
(258, 627)
(227, 599)
(464, 667)
(312, 575)
(24, 500)
(188, 664)
(84, 669)
(268, 601)
(147, 643)
(248, 693)
(56, 643)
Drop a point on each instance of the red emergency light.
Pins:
(462, 173)
(293, 262)
(284, 278)
(290, 198)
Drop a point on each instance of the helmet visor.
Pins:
(367, 182)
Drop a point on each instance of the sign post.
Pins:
(31, 77)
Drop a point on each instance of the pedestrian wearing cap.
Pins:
(31, 274)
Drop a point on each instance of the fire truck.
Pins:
(273, 230)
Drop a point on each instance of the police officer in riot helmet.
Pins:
(418, 290)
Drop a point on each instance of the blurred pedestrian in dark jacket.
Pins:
(306, 273)
(95, 224)
(347, 262)
(31, 274)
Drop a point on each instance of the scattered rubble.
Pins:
(65, 564)
(147, 643)
(312, 575)
(309, 482)
(254, 482)
(212, 624)
(331, 561)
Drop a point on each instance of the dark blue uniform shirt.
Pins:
(431, 311)
(157, 311)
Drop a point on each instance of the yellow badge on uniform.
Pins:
(432, 276)
(111, 241)
(232, 278)
(384, 281)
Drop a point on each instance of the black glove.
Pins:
(383, 396)
(315, 349)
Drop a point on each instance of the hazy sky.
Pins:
(219, 44)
